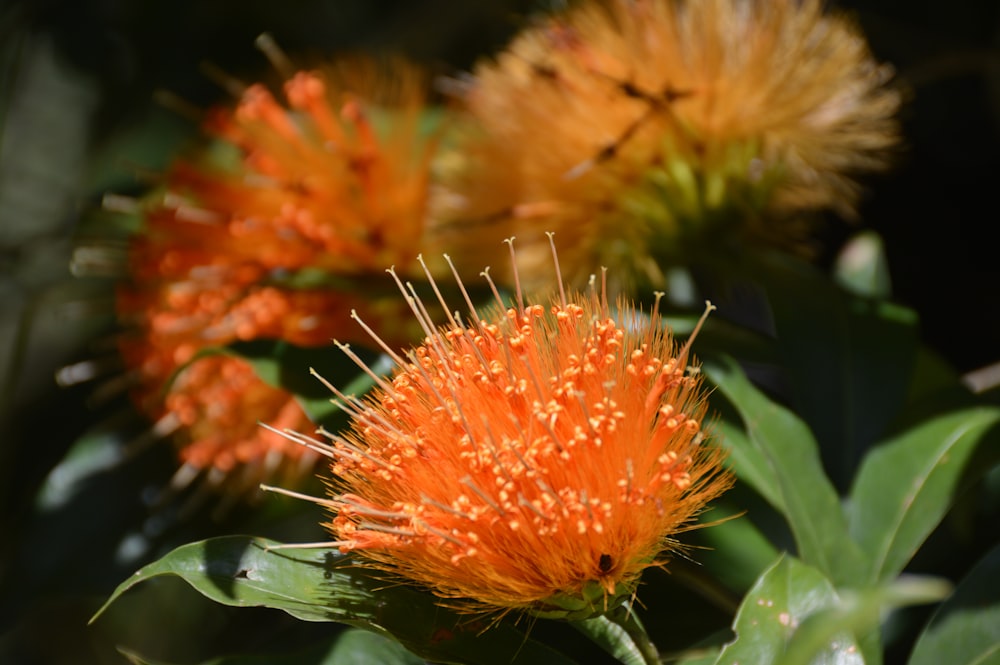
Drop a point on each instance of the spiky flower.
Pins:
(272, 231)
(538, 458)
(648, 131)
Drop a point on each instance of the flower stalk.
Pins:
(626, 618)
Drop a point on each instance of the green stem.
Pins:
(624, 616)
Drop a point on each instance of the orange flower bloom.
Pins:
(642, 126)
(218, 400)
(318, 185)
(272, 232)
(538, 458)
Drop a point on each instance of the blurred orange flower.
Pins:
(646, 131)
(272, 231)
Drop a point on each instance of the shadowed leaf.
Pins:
(965, 630)
(779, 457)
(906, 486)
(319, 584)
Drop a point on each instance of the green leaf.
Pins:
(150, 140)
(849, 360)
(359, 647)
(720, 336)
(703, 652)
(906, 486)
(611, 637)
(319, 584)
(965, 630)
(858, 613)
(706, 656)
(735, 551)
(288, 366)
(353, 646)
(750, 461)
(785, 596)
(779, 457)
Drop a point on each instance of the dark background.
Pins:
(77, 116)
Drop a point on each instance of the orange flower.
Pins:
(317, 185)
(218, 400)
(272, 231)
(652, 130)
(538, 458)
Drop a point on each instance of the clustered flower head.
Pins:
(643, 130)
(537, 459)
(272, 231)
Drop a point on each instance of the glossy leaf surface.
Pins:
(785, 596)
(318, 584)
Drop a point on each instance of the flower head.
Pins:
(272, 231)
(217, 400)
(654, 129)
(537, 458)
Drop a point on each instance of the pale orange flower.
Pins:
(648, 132)
(538, 458)
(272, 231)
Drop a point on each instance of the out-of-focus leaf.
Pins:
(151, 141)
(96, 452)
(719, 336)
(699, 657)
(736, 552)
(705, 652)
(611, 637)
(906, 486)
(359, 647)
(965, 630)
(750, 462)
(324, 409)
(138, 659)
(319, 584)
(288, 366)
(784, 457)
(353, 646)
(862, 266)
(785, 596)
(849, 360)
(96, 476)
(858, 613)
(931, 374)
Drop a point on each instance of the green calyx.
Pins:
(592, 600)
